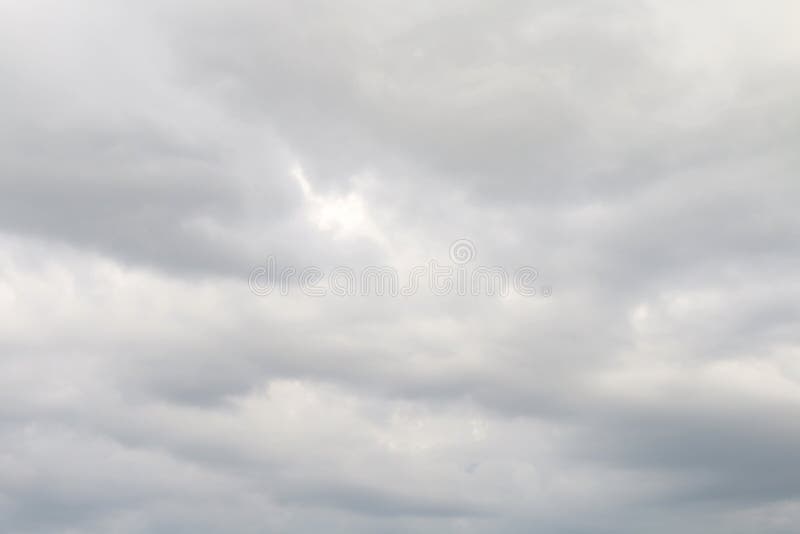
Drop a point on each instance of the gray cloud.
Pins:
(641, 156)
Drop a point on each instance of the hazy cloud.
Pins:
(640, 155)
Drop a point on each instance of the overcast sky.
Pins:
(643, 156)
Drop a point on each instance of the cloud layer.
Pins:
(641, 155)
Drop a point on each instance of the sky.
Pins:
(639, 158)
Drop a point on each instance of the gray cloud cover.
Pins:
(641, 155)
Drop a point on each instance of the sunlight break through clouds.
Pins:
(345, 216)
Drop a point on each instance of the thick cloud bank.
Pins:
(642, 156)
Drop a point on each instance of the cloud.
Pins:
(640, 156)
